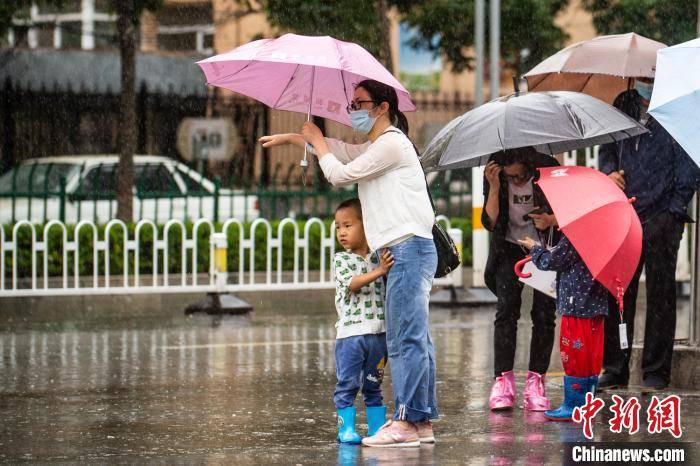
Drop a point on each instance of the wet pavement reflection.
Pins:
(253, 390)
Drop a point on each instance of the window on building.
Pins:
(106, 35)
(184, 41)
(62, 7)
(45, 35)
(60, 26)
(186, 28)
(209, 42)
(20, 36)
(70, 35)
(103, 6)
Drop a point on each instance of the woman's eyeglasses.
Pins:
(357, 105)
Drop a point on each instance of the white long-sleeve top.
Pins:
(391, 186)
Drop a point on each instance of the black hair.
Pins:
(381, 92)
(630, 103)
(523, 155)
(353, 204)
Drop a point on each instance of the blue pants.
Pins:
(359, 363)
(411, 352)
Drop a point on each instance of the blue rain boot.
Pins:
(346, 426)
(593, 384)
(376, 417)
(575, 389)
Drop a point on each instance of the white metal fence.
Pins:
(37, 280)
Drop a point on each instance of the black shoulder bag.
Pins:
(447, 253)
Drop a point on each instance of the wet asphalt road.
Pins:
(254, 390)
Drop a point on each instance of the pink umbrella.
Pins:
(600, 67)
(312, 75)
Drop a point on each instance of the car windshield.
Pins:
(37, 178)
(98, 182)
(193, 186)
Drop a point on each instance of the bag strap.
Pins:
(427, 188)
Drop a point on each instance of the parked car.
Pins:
(164, 189)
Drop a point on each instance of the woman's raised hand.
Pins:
(282, 139)
(274, 140)
(491, 172)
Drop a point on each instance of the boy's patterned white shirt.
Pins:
(362, 312)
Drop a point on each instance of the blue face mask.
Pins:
(361, 121)
(644, 89)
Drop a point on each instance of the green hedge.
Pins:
(174, 251)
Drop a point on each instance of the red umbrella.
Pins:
(599, 221)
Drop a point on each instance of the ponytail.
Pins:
(399, 120)
(381, 92)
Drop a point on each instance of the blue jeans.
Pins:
(359, 363)
(411, 352)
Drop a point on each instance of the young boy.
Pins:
(360, 349)
(583, 304)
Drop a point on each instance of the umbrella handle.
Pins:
(620, 298)
(519, 267)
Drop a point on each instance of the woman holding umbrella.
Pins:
(515, 209)
(397, 216)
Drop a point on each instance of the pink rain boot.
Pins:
(534, 396)
(503, 392)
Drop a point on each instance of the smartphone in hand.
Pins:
(538, 211)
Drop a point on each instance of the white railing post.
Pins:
(102, 248)
(480, 236)
(570, 158)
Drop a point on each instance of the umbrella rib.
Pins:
(340, 68)
(498, 129)
(231, 75)
(345, 89)
(287, 87)
(588, 79)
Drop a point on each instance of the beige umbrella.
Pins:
(600, 67)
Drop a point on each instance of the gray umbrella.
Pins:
(551, 122)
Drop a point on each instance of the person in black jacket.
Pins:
(510, 197)
(655, 170)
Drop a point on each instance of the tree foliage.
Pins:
(668, 21)
(348, 20)
(446, 28)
